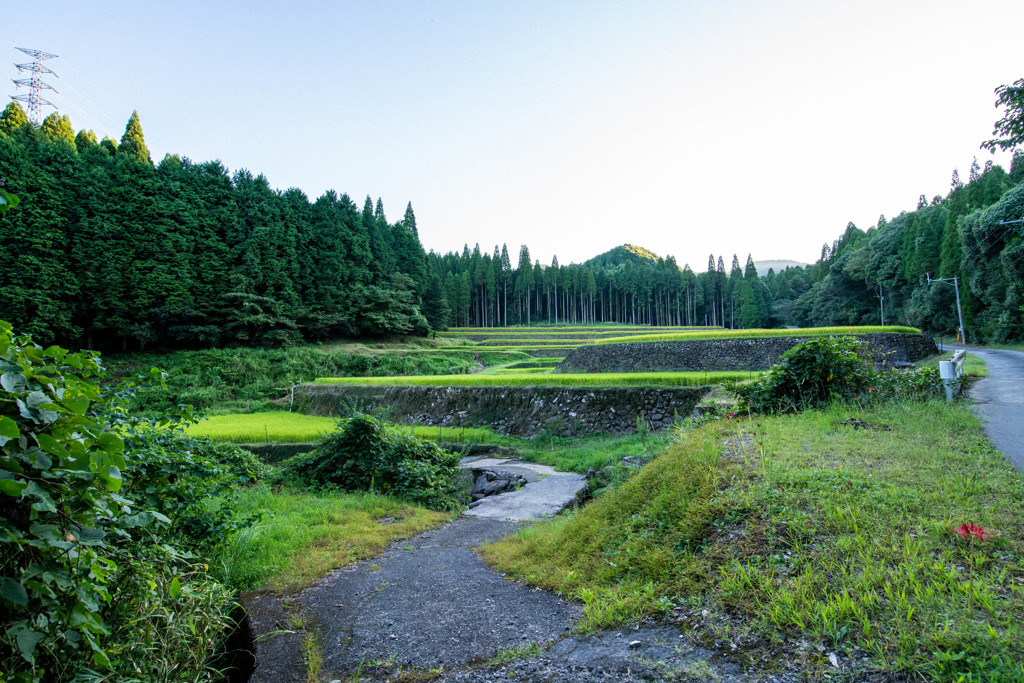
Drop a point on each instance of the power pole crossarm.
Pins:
(34, 83)
(956, 287)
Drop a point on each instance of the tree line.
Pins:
(109, 251)
(899, 271)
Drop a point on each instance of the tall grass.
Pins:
(303, 536)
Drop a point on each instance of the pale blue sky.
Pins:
(685, 127)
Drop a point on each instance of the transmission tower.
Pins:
(34, 82)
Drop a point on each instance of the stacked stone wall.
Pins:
(516, 411)
(757, 353)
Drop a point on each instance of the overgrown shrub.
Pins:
(96, 512)
(824, 369)
(362, 454)
(809, 375)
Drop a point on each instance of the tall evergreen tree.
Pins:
(133, 144)
(12, 118)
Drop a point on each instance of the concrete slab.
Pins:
(547, 491)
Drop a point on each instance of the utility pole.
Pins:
(34, 83)
(956, 286)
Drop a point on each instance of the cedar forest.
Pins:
(109, 251)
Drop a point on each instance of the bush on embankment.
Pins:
(362, 454)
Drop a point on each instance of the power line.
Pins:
(34, 82)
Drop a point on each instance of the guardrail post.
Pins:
(950, 370)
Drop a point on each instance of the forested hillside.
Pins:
(107, 250)
(969, 234)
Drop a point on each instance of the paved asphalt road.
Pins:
(1000, 401)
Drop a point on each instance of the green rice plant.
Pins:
(607, 379)
(282, 427)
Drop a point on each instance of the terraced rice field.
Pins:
(549, 339)
(604, 379)
(283, 427)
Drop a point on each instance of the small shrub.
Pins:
(809, 375)
(363, 455)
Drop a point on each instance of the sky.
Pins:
(689, 128)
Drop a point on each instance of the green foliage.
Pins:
(363, 455)
(245, 379)
(1009, 130)
(97, 512)
(12, 118)
(133, 144)
(809, 375)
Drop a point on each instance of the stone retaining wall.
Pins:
(516, 411)
(758, 353)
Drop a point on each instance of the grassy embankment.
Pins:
(799, 537)
(303, 536)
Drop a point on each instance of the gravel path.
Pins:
(429, 609)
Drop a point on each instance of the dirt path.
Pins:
(428, 609)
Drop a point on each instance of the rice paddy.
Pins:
(604, 379)
(284, 427)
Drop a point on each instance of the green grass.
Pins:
(284, 427)
(304, 536)
(580, 455)
(606, 379)
(803, 528)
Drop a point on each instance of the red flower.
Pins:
(871, 388)
(730, 415)
(972, 530)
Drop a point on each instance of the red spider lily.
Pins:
(730, 415)
(973, 531)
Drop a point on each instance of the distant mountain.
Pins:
(778, 265)
(619, 255)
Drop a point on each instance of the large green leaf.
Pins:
(12, 487)
(13, 591)
(9, 428)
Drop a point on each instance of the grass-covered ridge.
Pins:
(606, 379)
(809, 528)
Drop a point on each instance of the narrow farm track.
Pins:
(1000, 401)
(430, 609)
